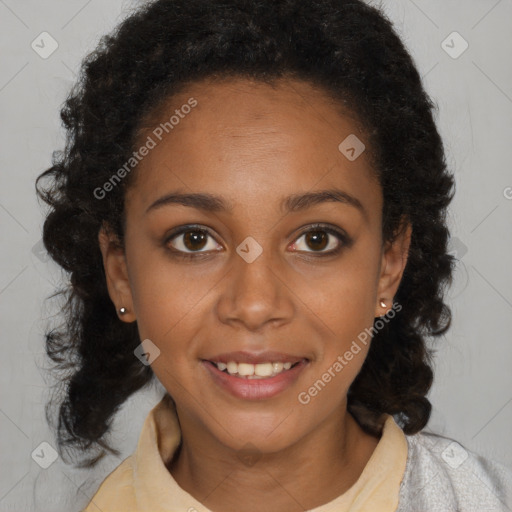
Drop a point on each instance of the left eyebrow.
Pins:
(292, 203)
(300, 202)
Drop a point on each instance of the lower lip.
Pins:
(255, 389)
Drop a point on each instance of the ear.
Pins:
(116, 272)
(394, 260)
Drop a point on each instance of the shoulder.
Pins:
(116, 492)
(443, 475)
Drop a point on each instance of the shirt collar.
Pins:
(156, 489)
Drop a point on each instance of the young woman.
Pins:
(251, 206)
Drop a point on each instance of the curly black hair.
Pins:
(346, 48)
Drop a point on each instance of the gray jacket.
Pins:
(443, 476)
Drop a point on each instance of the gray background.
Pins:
(472, 394)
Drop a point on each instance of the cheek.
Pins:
(344, 309)
(344, 298)
(169, 307)
(166, 298)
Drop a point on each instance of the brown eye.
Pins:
(317, 240)
(323, 240)
(188, 240)
(195, 240)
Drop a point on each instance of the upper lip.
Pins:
(255, 358)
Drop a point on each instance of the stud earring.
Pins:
(382, 303)
(122, 311)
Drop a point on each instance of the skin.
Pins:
(253, 145)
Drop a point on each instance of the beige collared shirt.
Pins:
(143, 483)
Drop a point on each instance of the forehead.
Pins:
(248, 140)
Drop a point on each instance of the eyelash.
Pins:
(343, 238)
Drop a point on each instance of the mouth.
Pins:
(264, 370)
(252, 377)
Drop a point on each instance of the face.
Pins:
(235, 253)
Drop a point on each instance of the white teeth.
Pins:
(263, 369)
(278, 367)
(254, 371)
(245, 369)
(232, 367)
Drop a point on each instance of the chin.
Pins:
(265, 433)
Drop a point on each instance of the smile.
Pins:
(254, 381)
(254, 371)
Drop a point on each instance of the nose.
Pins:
(255, 294)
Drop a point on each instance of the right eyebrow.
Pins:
(206, 202)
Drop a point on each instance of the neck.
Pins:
(316, 469)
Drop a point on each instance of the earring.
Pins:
(122, 311)
(382, 303)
